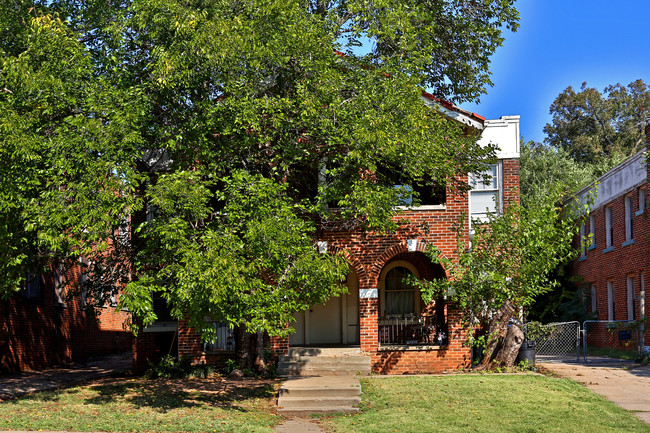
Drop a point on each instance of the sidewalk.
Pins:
(625, 383)
(15, 385)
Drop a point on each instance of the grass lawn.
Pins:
(139, 405)
(483, 403)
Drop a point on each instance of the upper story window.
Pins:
(427, 192)
(609, 227)
(486, 193)
(629, 219)
(583, 240)
(592, 231)
(642, 202)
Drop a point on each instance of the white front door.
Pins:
(335, 322)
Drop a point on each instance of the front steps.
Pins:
(332, 385)
(304, 396)
(311, 361)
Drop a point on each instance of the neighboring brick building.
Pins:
(380, 315)
(39, 328)
(614, 254)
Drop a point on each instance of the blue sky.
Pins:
(563, 43)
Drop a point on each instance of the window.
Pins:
(485, 195)
(630, 298)
(609, 230)
(398, 297)
(225, 338)
(641, 201)
(83, 278)
(592, 231)
(583, 240)
(629, 222)
(32, 289)
(59, 295)
(594, 299)
(610, 300)
(428, 193)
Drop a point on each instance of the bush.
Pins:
(170, 367)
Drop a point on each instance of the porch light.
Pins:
(322, 247)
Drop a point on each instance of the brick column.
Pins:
(369, 324)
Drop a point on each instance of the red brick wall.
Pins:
(369, 252)
(38, 333)
(599, 267)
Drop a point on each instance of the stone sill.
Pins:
(630, 242)
(407, 348)
(608, 249)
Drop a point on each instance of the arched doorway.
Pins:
(334, 323)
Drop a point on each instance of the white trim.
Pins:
(368, 293)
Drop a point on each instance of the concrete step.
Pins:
(313, 361)
(324, 402)
(316, 391)
(319, 395)
(314, 371)
(306, 412)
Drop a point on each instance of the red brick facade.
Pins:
(40, 332)
(368, 254)
(624, 262)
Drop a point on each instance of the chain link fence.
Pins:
(610, 340)
(560, 343)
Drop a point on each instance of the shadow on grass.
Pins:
(164, 395)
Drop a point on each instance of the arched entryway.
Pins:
(404, 317)
(334, 323)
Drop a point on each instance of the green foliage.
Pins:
(511, 258)
(238, 125)
(171, 367)
(547, 173)
(600, 128)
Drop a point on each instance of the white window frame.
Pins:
(592, 231)
(478, 186)
(583, 240)
(610, 300)
(629, 219)
(642, 201)
(631, 314)
(609, 231)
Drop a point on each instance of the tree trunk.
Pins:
(260, 364)
(243, 347)
(496, 331)
(510, 347)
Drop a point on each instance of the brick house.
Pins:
(613, 263)
(40, 327)
(381, 316)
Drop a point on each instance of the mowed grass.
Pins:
(483, 403)
(139, 405)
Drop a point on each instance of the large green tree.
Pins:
(600, 128)
(235, 127)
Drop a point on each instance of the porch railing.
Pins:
(411, 330)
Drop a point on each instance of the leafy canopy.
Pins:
(238, 125)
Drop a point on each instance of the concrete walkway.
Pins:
(15, 385)
(625, 383)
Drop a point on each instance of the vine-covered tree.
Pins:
(234, 126)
